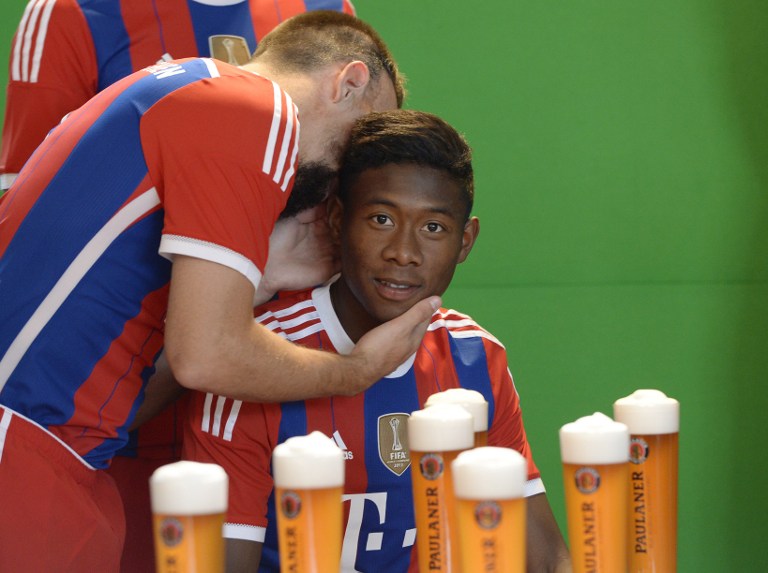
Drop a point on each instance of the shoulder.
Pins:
(459, 326)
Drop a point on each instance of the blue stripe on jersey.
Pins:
(83, 329)
(471, 364)
(99, 175)
(234, 20)
(337, 5)
(110, 40)
(388, 396)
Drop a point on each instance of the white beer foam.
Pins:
(489, 473)
(594, 439)
(441, 428)
(648, 412)
(189, 488)
(313, 461)
(472, 400)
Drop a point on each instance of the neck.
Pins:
(354, 319)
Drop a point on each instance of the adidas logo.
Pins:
(348, 455)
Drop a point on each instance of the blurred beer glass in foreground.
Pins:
(653, 420)
(189, 501)
(436, 436)
(489, 484)
(309, 482)
(595, 455)
(472, 401)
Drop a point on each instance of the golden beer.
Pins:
(489, 484)
(472, 401)
(436, 435)
(595, 455)
(189, 503)
(653, 420)
(596, 506)
(309, 526)
(434, 509)
(189, 543)
(309, 482)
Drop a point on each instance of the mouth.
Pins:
(396, 290)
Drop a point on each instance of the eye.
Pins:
(382, 220)
(433, 227)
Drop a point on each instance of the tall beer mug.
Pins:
(189, 501)
(653, 420)
(436, 435)
(489, 484)
(471, 400)
(309, 482)
(595, 455)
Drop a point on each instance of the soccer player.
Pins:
(402, 219)
(143, 223)
(66, 51)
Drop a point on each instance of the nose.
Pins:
(403, 248)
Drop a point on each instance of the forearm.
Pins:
(161, 391)
(213, 344)
(262, 367)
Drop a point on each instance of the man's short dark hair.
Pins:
(406, 136)
(320, 37)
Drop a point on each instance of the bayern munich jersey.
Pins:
(370, 428)
(66, 51)
(192, 157)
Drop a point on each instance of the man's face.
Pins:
(402, 231)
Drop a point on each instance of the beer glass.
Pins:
(489, 485)
(309, 481)
(595, 455)
(189, 501)
(653, 420)
(436, 435)
(473, 401)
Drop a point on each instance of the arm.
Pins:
(161, 390)
(242, 556)
(213, 344)
(545, 546)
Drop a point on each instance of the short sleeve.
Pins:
(221, 153)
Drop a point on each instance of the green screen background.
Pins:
(621, 156)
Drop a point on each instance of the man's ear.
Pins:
(335, 213)
(468, 238)
(351, 81)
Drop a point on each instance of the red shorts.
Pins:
(58, 513)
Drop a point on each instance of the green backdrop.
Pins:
(621, 153)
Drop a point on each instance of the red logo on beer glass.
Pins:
(488, 514)
(431, 466)
(171, 531)
(290, 503)
(587, 480)
(638, 450)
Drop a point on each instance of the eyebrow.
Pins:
(440, 210)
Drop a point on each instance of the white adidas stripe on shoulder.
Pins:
(460, 325)
(30, 41)
(283, 122)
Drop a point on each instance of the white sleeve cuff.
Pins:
(245, 532)
(534, 487)
(177, 245)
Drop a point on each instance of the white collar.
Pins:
(321, 297)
